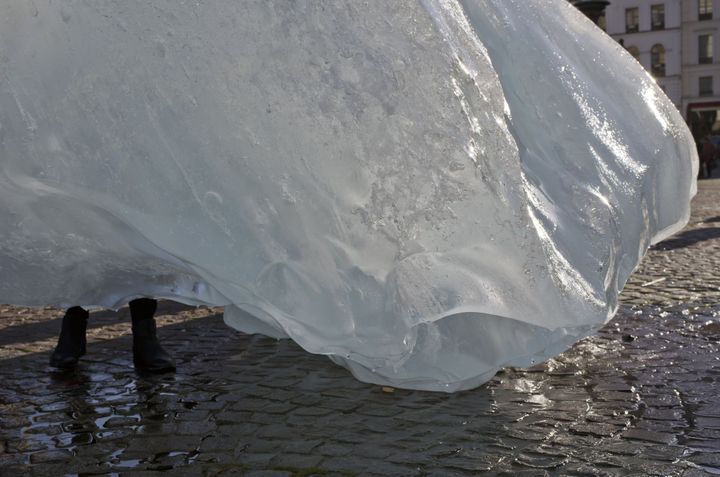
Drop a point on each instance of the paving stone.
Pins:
(540, 461)
(237, 430)
(59, 455)
(361, 466)
(708, 422)
(194, 428)
(302, 446)
(268, 473)
(709, 459)
(672, 415)
(11, 460)
(649, 436)
(297, 461)
(334, 450)
(313, 411)
(594, 429)
(217, 444)
(264, 406)
(255, 460)
(151, 445)
(238, 404)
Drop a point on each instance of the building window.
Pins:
(705, 48)
(657, 14)
(633, 50)
(657, 60)
(705, 9)
(631, 20)
(602, 22)
(705, 84)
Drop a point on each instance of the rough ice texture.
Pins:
(425, 191)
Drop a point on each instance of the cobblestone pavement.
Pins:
(640, 398)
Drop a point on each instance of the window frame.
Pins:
(705, 10)
(634, 12)
(653, 25)
(634, 52)
(709, 57)
(706, 92)
(658, 57)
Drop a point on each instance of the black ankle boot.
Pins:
(71, 344)
(148, 355)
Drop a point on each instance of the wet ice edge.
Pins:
(423, 191)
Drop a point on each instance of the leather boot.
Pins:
(148, 355)
(71, 343)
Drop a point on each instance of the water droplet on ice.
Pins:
(65, 14)
(213, 197)
(456, 166)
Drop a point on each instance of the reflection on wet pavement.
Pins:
(610, 406)
(640, 398)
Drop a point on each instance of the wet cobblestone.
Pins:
(640, 398)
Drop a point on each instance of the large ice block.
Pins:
(424, 191)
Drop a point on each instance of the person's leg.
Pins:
(71, 343)
(148, 355)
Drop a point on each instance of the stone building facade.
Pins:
(701, 66)
(651, 31)
(677, 42)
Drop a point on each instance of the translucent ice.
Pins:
(425, 191)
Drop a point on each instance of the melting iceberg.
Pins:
(424, 191)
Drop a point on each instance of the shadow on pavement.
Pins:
(240, 402)
(688, 238)
(46, 329)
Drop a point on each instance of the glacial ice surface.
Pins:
(425, 191)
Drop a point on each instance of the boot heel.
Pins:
(148, 355)
(72, 342)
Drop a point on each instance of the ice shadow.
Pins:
(245, 391)
(248, 400)
(689, 238)
(46, 329)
